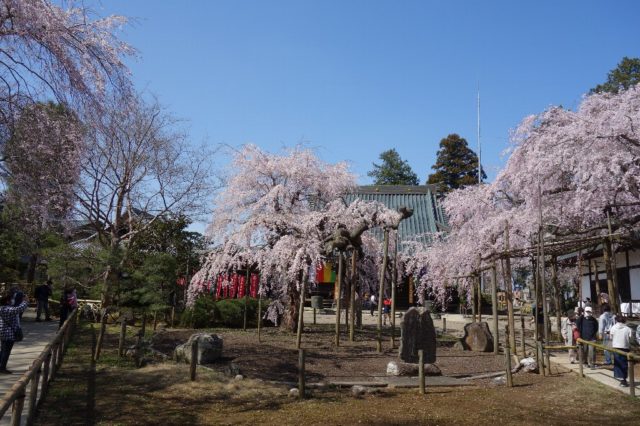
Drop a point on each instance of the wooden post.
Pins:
(314, 316)
(301, 310)
(45, 373)
(444, 325)
(547, 362)
(18, 406)
(632, 375)
(394, 283)
(259, 315)
(383, 269)
(580, 361)
(338, 296)
(580, 277)
(246, 297)
(536, 299)
(194, 360)
(494, 308)
(123, 335)
(612, 280)
(523, 344)
(557, 293)
(597, 282)
(479, 296)
(421, 370)
(352, 298)
(509, 290)
(540, 358)
(301, 373)
(33, 395)
(507, 354)
(543, 287)
(173, 316)
(473, 301)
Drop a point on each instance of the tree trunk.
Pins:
(352, 297)
(340, 280)
(612, 280)
(383, 270)
(290, 317)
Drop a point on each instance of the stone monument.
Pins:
(418, 333)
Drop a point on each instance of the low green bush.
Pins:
(207, 312)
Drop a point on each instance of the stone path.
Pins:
(36, 336)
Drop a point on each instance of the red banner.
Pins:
(234, 286)
(254, 285)
(242, 286)
(219, 287)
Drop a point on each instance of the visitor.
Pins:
(604, 298)
(372, 303)
(621, 336)
(68, 302)
(605, 322)
(42, 294)
(568, 327)
(9, 327)
(386, 309)
(588, 328)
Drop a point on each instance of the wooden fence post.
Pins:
(444, 325)
(194, 360)
(301, 373)
(541, 367)
(580, 361)
(33, 395)
(421, 370)
(524, 343)
(45, 374)
(18, 406)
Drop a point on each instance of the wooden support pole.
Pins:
(509, 290)
(314, 316)
(596, 279)
(246, 298)
(383, 270)
(494, 308)
(123, 335)
(259, 316)
(33, 396)
(338, 296)
(194, 360)
(479, 296)
(522, 334)
(557, 293)
(394, 283)
(301, 311)
(612, 280)
(507, 355)
(421, 370)
(632, 376)
(173, 316)
(579, 277)
(352, 297)
(473, 301)
(301, 373)
(540, 358)
(444, 325)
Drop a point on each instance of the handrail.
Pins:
(628, 355)
(52, 354)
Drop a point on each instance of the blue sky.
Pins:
(354, 78)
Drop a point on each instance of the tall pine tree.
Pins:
(393, 170)
(625, 75)
(456, 165)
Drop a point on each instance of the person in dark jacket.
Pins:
(9, 324)
(43, 293)
(588, 327)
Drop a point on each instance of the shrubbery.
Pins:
(207, 312)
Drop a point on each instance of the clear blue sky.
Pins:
(355, 78)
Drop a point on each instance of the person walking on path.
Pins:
(605, 322)
(68, 302)
(43, 293)
(9, 325)
(372, 304)
(386, 309)
(621, 336)
(588, 328)
(568, 326)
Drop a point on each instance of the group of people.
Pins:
(386, 308)
(610, 329)
(13, 304)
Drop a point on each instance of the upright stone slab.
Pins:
(477, 337)
(418, 333)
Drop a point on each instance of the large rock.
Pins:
(418, 333)
(477, 337)
(397, 368)
(209, 348)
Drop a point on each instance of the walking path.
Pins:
(602, 374)
(36, 337)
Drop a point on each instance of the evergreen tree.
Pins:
(393, 170)
(625, 75)
(456, 165)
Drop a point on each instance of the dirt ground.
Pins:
(276, 358)
(114, 392)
